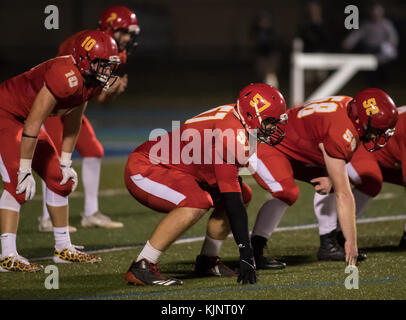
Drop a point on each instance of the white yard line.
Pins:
(196, 239)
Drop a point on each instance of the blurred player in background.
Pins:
(60, 86)
(186, 182)
(122, 24)
(367, 171)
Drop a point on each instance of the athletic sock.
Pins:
(149, 253)
(62, 238)
(326, 212)
(45, 213)
(211, 247)
(91, 179)
(8, 244)
(269, 217)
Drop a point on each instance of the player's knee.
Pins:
(61, 190)
(288, 195)
(371, 184)
(11, 200)
(246, 193)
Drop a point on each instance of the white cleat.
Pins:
(100, 220)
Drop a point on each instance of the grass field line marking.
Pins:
(196, 239)
(230, 289)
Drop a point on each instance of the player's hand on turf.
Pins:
(69, 173)
(322, 185)
(351, 253)
(247, 272)
(26, 183)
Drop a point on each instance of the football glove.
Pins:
(26, 183)
(247, 271)
(69, 173)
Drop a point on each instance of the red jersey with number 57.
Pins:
(322, 121)
(211, 147)
(62, 78)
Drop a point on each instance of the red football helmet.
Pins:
(374, 116)
(120, 18)
(262, 107)
(96, 56)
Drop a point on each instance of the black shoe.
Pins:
(402, 243)
(145, 273)
(341, 241)
(262, 263)
(212, 266)
(329, 249)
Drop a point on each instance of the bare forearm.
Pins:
(346, 214)
(27, 148)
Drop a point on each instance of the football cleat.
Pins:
(402, 243)
(100, 220)
(144, 273)
(263, 263)
(45, 225)
(212, 266)
(72, 254)
(18, 263)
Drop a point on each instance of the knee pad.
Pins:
(7, 201)
(55, 200)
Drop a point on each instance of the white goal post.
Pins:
(347, 66)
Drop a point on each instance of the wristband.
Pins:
(66, 158)
(25, 164)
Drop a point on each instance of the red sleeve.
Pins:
(62, 80)
(227, 177)
(341, 142)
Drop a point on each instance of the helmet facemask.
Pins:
(271, 132)
(373, 138)
(104, 71)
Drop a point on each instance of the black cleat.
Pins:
(263, 263)
(258, 245)
(212, 266)
(341, 241)
(402, 243)
(329, 249)
(145, 273)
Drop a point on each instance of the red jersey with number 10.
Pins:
(62, 78)
(322, 121)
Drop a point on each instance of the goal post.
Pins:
(346, 65)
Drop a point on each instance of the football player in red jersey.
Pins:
(321, 134)
(122, 24)
(181, 172)
(59, 86)
(367, 171)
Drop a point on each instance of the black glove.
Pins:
(247, 270)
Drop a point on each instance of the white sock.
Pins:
(326, 212)
(361, 201)
(8, 244)
(149, 253)
(269, 217)
(62, 238)
(211, 247)
(45, 213)
(91, 179)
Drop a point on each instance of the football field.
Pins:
(381, 276)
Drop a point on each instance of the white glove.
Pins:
(69, 173)
(26, 183)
